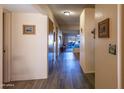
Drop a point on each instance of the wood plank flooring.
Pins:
(65, 73)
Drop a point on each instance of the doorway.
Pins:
(6, 46)
(72, 42)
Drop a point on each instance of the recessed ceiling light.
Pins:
(67, 13)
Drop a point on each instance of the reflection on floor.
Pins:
(65, 73)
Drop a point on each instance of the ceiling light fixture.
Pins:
(67, 13)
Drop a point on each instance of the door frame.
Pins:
(56, 42)
(7, 35)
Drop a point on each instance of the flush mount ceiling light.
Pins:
(67, 13)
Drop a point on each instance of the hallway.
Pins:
(65, 74)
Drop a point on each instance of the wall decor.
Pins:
(103, 29)
(29, 29)
(93, 32)
(112, 49)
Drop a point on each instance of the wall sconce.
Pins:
(81, 30)
(93, 32)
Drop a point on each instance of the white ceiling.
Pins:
(27, 8)
(66, 23)
(73, 19)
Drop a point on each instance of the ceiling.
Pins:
(26, 8)
(68, 23)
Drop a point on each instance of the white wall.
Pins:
(29, 52)
(105, 63)
(87, 23)
(1, 45)
(120, 43)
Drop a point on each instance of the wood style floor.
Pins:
(65, 73)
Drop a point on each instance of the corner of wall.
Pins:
(1, 47)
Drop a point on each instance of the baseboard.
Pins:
(86, 71)
(90, 72)
(27, 77)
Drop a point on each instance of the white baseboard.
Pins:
(86, 71)
(89, 72)
(27, 77)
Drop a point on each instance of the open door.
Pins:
(50, 46)
(6, 46)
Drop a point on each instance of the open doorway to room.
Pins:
(50, 47)
(71, 42)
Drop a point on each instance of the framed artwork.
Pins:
(103, 29)
(29, 29)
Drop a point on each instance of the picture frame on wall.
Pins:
(103, 28)
(29, 29)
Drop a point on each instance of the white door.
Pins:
(6, 46)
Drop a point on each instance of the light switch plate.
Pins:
(112, 49)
